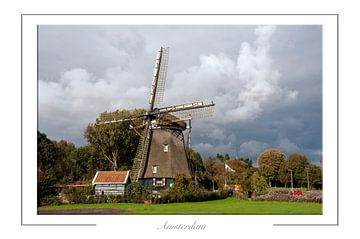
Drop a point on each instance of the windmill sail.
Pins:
(159, 95)
(159, 77)
(196, 110)
(116, 119)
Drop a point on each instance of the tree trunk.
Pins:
(114, 160)
(114, 164)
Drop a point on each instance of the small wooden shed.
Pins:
(111, 182)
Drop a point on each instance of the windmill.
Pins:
(161, 153)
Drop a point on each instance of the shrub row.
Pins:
(190, 196)
(50, 200)
(289, 196)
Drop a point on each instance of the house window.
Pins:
(154, 168)
(166, 148)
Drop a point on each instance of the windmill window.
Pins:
(159, 182)
(154, 169)
(166, 148)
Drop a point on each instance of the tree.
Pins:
(87, 161)
(314, 174)
(47, 173)
(269, 163)
(117, 142)
(284, 174)
(220, 157)
(66, 163)
(46, 155)
(297, 163)
(242, 174)
(247, 161)
(215, 171)
(210, 170)
(258, 183)
(198, 169)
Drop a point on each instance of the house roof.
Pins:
(102, 177)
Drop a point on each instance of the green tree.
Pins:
(210, 171)
(66, 163)
(135, 192)
(297, 163)
(88, 161)
(47, 174)
(258, 183)
(269, 163)
(46, 156)
(216, 172)
(117, 142)
(284, 174)
(314, 174)
(198, 169)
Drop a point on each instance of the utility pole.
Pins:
(307, 176)
(292, 182)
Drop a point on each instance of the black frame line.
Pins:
(154, 14)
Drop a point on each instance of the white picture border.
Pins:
(216, 224)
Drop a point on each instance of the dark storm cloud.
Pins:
(266, 81)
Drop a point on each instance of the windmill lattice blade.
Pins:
(159, 95)
(199, 113)
(116, 119)
(196, 110)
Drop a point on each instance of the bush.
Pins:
(184, 190)
(50, 200)
(283, 195)
(77, 195)
(105, 199)
(258, 184)
(135, 193)
(312, 197)
(46, 191)
(195, 196)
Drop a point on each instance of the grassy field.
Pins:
(224, 206)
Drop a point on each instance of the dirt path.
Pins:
(84, 211)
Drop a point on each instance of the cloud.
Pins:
(78, 97)
(267, 91)
(217, 134)
(241, 88)
(252, 148)
(208, 149)
(287, 146)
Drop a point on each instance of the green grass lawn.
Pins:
(224, 206)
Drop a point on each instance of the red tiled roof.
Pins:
(111, 177)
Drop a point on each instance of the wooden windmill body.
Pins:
(162, 154)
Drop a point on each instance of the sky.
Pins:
(266, 81)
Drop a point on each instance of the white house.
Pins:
(111, 182)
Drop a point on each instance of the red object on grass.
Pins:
(297, 193)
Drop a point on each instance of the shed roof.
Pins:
(102, 177)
